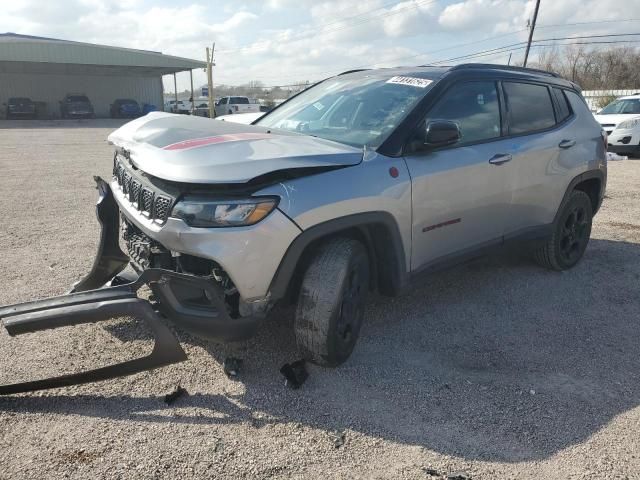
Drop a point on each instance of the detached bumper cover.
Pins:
(94, 299)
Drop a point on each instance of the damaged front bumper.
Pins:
(193, 302)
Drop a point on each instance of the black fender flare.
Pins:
(391, 262)
(588, 175)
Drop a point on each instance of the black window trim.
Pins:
(501, 110)
(556, 107)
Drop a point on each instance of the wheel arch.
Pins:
(592, 183)
(378, 231)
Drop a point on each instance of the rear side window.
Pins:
(530, 108)
(564, 111)
(239, 100)
(474, 106)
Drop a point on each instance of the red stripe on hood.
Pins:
(230, 137)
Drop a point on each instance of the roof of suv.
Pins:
(470, 70)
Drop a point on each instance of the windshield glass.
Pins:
(630, 106)
(19, 100)
(77, 98)
(357, 111)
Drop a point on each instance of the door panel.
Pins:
(460, 200)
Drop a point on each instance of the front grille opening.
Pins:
(161, 208)
(142, 193)
(147, 201)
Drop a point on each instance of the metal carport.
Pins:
(46, 69)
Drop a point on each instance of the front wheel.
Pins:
(571, 233)
(331, 304)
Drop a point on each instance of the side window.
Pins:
(474, 106)
(529, 106)
(564, 111)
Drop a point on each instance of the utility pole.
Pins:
(531, 29)
(210, 64)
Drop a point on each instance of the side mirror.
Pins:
(442, 132)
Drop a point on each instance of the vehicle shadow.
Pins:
(496, 360)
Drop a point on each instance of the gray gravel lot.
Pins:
(497, 369)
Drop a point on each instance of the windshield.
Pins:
(356, 111)
(77, 98)
(19, 100)
(127, 101)
(628, 106)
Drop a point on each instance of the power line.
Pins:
(323, 30)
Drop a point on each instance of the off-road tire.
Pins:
(331, 303)
(570, 236)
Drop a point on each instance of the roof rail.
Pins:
(353, 71)
(494, 66)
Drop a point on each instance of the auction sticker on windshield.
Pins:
(411, 81)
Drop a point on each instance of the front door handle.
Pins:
(500, 158)
(567, 143)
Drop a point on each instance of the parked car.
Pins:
(234, 105)
(621, 120)
(76, 105)
(359, 184)
(245, 118)
(20, 107)
(173, 107)
(125, 108)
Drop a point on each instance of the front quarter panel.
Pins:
(366, 187)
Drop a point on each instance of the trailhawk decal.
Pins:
(440, 225)
(230, 137)
(411, 81)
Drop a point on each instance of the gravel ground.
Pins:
(496, 369)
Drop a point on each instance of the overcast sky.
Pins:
(285, 41)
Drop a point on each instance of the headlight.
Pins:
(203, 212)
(629, 124)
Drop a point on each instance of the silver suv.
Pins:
(358, 184)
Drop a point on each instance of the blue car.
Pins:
(125, 108)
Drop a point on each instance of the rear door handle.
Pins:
(567, 143)
(500, 158)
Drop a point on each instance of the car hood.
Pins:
(194, 149)
(614, 119)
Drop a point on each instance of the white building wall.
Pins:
(102, 90)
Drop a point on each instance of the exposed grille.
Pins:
(144, 195)
(134, 193)
(126, 183)
(161, 208)
(147, 201)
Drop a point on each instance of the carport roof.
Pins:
(26, 49)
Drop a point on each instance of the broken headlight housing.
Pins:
(207, 213)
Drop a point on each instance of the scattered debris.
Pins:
(614, 157)
(169, 398)
(432, 472)
(231, 366)
(339, 438)
(295, 373)
(532, 392)
(458, 476)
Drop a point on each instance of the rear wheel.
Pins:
(571, 233)
(331, 304)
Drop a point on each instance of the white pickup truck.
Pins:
(233, 105)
